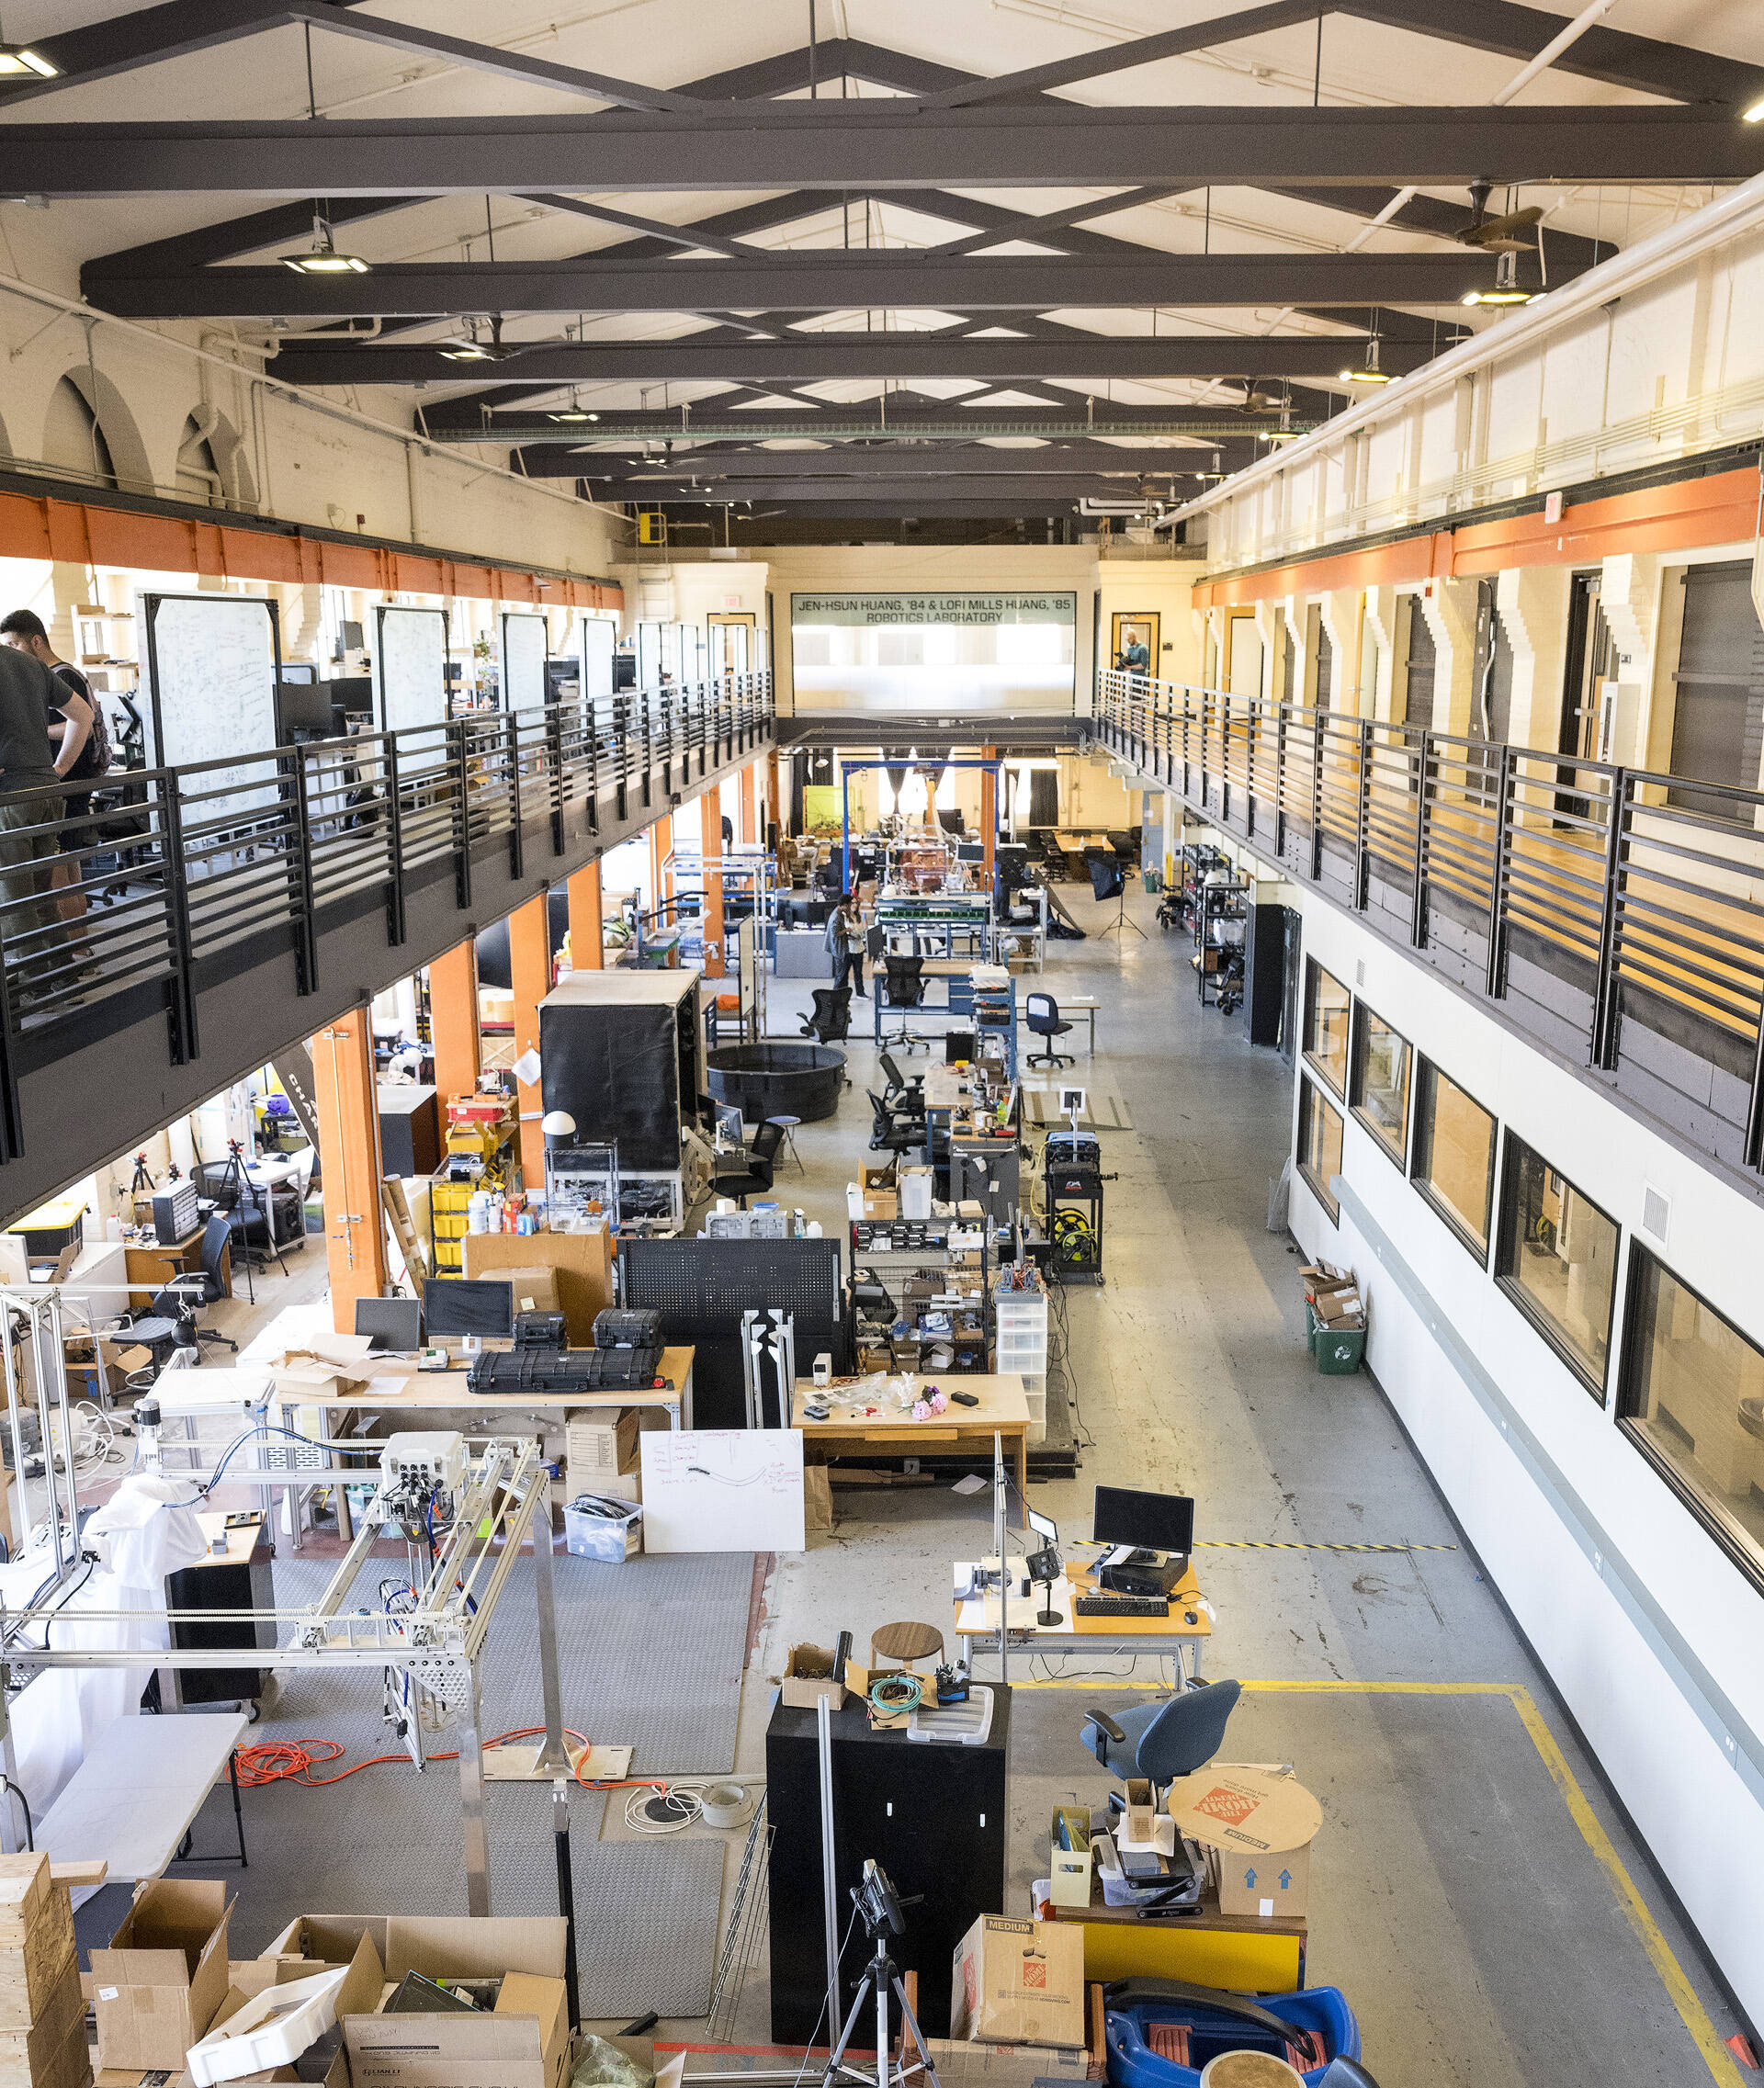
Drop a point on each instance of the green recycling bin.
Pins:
(1338, 1350)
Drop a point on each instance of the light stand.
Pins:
(1120, 924)
(879, 1911)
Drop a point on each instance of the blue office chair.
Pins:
(1169, 1738)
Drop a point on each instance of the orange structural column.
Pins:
(529, 966)
(989, 810)
(344, 1097)
(749, 832)
(587, 925)
(453, 1020)
(711, 813)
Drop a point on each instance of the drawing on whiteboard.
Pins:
(211, 667)
(411, 666)
(722, 1490)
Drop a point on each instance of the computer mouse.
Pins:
(1190, 1616)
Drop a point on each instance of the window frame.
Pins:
(1508, 1285)
(1629, 1425)
(1362, 1014)
(1478, 1252)
(1312, 1090)
(1314, 971)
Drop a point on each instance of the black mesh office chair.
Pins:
(754, 1176)
(1170, 1737)
(177, 1305)
(903, 985)
(832, 1020)
(906, 1097)
(892, 1134)
(1041, 1016)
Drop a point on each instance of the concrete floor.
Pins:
(1455, 1900)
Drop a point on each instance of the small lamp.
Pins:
(560, 1128)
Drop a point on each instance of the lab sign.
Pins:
(872, 611)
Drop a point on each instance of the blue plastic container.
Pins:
(1132, 2063)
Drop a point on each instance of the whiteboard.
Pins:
(211, 662)
(410, 667)
(598, 636)
(525, 646)
(722, 1490)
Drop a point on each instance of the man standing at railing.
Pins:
(29, 697)
(82, 755)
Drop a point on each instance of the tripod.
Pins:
(1120, 924)
(248, 1197)
(876, 1903)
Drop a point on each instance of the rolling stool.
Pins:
(787, 1125)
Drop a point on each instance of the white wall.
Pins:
(1701, 1820)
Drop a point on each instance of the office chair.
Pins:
(1041, 1016)
(892, 1134)
(1169, 1738)
(755, 1178)
(903, 985)
(176, 1306)
(906, 1097)
(832, 1020)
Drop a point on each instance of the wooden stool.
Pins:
(906, 1643)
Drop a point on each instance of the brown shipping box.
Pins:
(1256, 1825)
(581, 1264)
(598, 1441)
(525, 2044)
(1018, 1983)
(36, 1940)
(156, 1989)
(808, 1678)
(360, 1990)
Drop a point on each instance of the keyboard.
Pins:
(1121, 1606)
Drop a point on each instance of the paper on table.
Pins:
(970, 1483)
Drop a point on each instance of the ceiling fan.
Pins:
(1504, 234)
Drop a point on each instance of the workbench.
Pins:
(154, 1266)
(858, 1426)
(1205, 1946)
(977, 1623)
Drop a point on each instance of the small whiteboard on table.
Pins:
(525, 646)
(722, 1490)
(411, 666)
(211, 666)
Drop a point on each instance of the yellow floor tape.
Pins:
(1679, 1992)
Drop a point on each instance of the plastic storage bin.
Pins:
(1339, 1350)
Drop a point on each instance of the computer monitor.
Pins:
(456, 1306)
(395, 1324)
(970, 851)
(299, 671)
(1143, 1522)
(304, 706)
(729, 1121)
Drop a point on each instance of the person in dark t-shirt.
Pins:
(29, 695)
(82, 754)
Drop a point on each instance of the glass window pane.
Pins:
(1381, 1074)
(1558, 1252)
(1327, 1003)
(1693, 1393)
(1320, 1144)
(1455, 1155)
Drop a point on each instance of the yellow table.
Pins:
(1206, 1946)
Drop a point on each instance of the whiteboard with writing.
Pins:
(210, 662)
(722, 1490)
(410, 667)
(524, 650)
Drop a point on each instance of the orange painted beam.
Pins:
(749, 832)
(346, 1103)
(587, 921)
(530, 960)
(453, 1020)
(989, 810)
(710, 813)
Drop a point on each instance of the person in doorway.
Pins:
(29, 697)
(81, 756)
(845, 944)
(1135, 658)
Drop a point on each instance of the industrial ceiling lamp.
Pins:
(1505, 289)
(323, 258)
(18, 57)
(1753, 114)
(468, 348)
(1367, 372)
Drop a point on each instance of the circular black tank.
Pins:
(774, 1078)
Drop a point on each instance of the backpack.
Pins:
(94, 756)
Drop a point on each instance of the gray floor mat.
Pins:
(646, 1925)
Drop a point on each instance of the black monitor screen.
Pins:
(1149, 1522)
(395, 1323)
(728, 1115)
(454, 1306)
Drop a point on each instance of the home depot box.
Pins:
(1257, 1824)
(597, 1442)
(156, 1989)
(1019, 1982)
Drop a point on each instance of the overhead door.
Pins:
(1718, 716)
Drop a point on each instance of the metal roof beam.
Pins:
(855, 462)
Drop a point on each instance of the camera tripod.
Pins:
(880, 1912)
(248, 1196)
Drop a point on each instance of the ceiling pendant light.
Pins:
(1505, 289)
(321, 257)
(1367, 372)
(19, 57)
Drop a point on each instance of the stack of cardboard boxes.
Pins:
(1337, 1318)
(42, 2006)
(602, 1460)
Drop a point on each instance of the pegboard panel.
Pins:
(703, 1287)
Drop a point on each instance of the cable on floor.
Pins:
(679, 1807)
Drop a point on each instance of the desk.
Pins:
(848, 1430)
(1205, 1947)
(977, 1624)
(131, 1801)
(155, 1266)
(1082, 1004)
(956, 1005)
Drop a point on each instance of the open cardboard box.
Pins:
(157, 1986)
(1018, 1983)
(803, 1690)
(325, 1367)
(249, 1977)
(1256, 1825)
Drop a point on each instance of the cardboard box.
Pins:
(36, 1940)
(881, 1204)
(33, 2053)
(361, 1989)
(615, 1485)
(1332, 1305)
(598, 1441)
(580, 1264)
(1018, 1983)
(1069, 1869)
(1142, 1810)
(808, 1678)
(329, 1366)
(1257, 1824)
(157, 1988)
(877, 1174)
(524, 2044)
(120, 1358)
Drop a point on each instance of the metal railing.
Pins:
(190, 872)
(1617, 915)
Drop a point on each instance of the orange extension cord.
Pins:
(292, 1761)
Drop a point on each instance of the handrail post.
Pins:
(649, 748)
(1317, 718)
(1251, 728)
(306, 926)
(461, 762)
(554, 763)
(1203, 756)
(180, 1010)
(512, 755)
(1606, 1020)
(1280, 781)
(12, 1121)
(622, 746)
(395, 923)
(1418, 908)
(1495, 978)
(594, 770)
(1363, 817)
(1225, 755)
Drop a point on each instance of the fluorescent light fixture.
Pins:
(575, 413)
(1279, 434)
(1753, 114)
(1368, 373)
(15, 58)
(321, 257)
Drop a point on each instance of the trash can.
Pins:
(1340, 1350)
(1153, 880)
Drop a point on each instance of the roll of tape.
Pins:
(726, 1805)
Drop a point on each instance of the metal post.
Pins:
(512, 755)
(999, 1520)
(1604, 996)
(1417, 909)
(1494, 979)
(394, 840)
(1363, 817)
(565, 1895)
(14, 1406)
(471, 1800)
(1317, 718)
(554, 1755)
(829, 1881)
